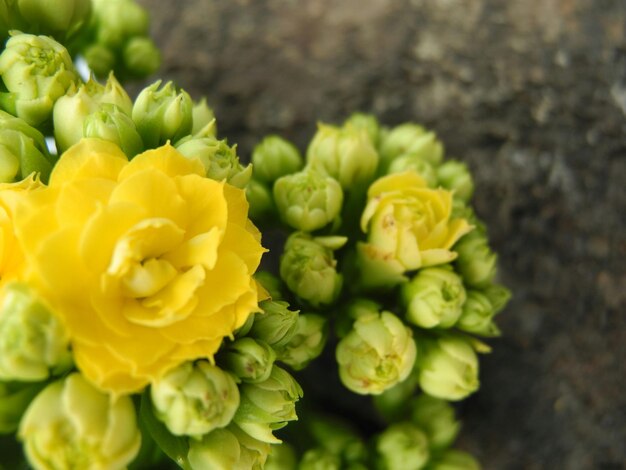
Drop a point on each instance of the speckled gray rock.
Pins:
(532, 95)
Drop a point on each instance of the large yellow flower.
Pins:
(147, 262)
(11, 259)
(408, 226)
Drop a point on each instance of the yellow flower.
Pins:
(147, 262)
(11, 259)
(408, 224)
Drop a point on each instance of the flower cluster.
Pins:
(381, 241)
(130, 319)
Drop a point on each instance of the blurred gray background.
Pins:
(532, 95)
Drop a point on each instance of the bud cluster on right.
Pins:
(382, 244)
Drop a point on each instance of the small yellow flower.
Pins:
(408, 224)
(147, 262)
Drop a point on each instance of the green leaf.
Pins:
(175, 447)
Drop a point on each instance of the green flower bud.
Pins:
(23, 150)
(346, 154)
(436, 418)
(453, 459)
(59, 19)
(307, 343)
(217, 450)
(308, 200)
(461, 210)
(402, 445)
(118, 20)
(36, 71)
(478, 315)
(276, 325)
(368, 123)
(412, 162)
(455, 176)
(377, 354)
(434, 297)
(99, 58)
(162, 114)
(111, 124)
(71, 424)
(227, 449)
(220, 161)
(259, 197)
(203, 116)
(195, 398)
(14, 399)
(377, 270)
(413, 139)
(141, 57)
(355, 309)
(309, 269)
(72, 110)
(475, 262)
(33, 342)
(274, 157)
(448, 368)
(282, 457)
(319, 459)
(249, 359)
(268, 406)
(271, 283)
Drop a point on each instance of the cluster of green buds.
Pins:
(381, 240)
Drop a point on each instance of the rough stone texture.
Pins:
(532, 94)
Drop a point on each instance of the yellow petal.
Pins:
(205, 202)
(165, 159)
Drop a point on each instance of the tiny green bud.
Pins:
(436, 418)
(219, 160)
(14, 399)
(217, 450)
(249, 359)
(195, 398)
(33, 342)
(274, 157)
(346, 154)
(307, 343)
(259, 197)
(254, 452)
(402, 445)
(111, 124)
(310, 270)
(114, 93)
(455, 176)
(100, 59)
(141, 57)
(475, 262)
(36, 71)
(337, 437)
(453, 459)
(377, 354)
(59, 19)
(319, 459)
(71, 424)
(282, 457)
(203, 116)
(434, 297)
(461, 210)
(368, 123)
(448, 368)
(162, 114)
(412, 162)
(268, 406)
(271, 283)
(308, 200)
(118, 20)
(276, 325)
(22, 150)
(477, 316)
(410, 138)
